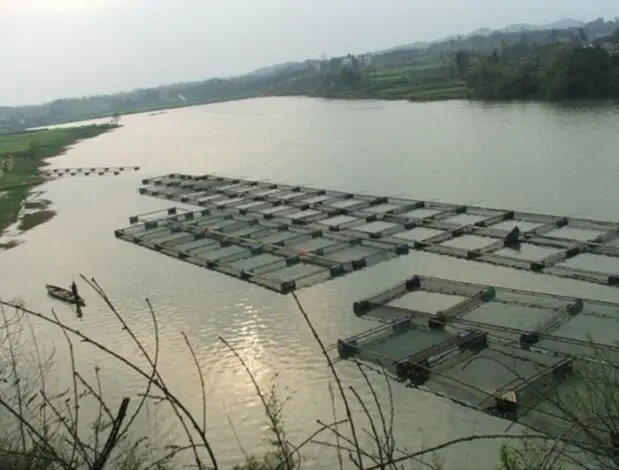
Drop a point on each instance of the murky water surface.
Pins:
(522, 157)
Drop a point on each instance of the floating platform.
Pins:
(473, 369)
(529, 320)
(275, 254)
(466, 365)
(88, 171)
(566, 247)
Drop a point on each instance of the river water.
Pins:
(530, 157)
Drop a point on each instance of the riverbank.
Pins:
(29, 151)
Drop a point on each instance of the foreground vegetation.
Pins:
(412, 72)
(29, 150)
(41, 429)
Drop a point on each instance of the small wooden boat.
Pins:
(65, 295)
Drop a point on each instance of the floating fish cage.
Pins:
(531, 320)
(566, 247)
(476, 370)
(275, 254)
(469, 366)
(88, 171)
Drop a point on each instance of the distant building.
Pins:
(611, 48)
(346, 61)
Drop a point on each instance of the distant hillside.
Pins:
(565, 23)
(275, 69)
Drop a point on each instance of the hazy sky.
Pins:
(55, 48)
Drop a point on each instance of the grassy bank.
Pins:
(29, 150)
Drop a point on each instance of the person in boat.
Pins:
(76, 299)
(74, 290)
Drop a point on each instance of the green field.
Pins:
(29, 150)
(418, 81)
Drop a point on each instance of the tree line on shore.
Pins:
(573, 69)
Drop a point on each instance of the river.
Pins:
(530, 157)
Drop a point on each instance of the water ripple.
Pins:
(377, 147)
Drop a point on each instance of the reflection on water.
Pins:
(522, 157)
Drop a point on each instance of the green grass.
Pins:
(421, 81)
(29, 150)
(10, 204)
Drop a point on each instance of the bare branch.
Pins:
(281, 444)
(335, 376)
(201, 377)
